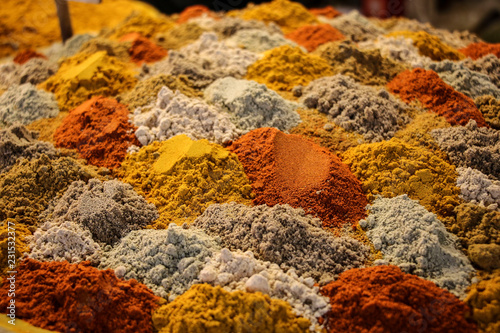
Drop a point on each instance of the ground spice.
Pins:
(194, 11)
(490, 108)
(489, 65)
(257, 40)
(429, 45)
(25, 104)
(242, 271)
(328, 12)
(34, 23)
(391, 168)
(284, 67)
(204, 308)
(34, 71)
(255, 229)
(477, 188)
(316, 127)
(27, 189)
(146, 91)
(470, 83)
(82, 76)
(368, 67)
(228, 26)
(20, 327)
(18, 142)
(27, 54)
(355, 107)
(142, 49)
(355, 26)
(287, 14)
(58, 51)
(471, 146)
(167, 261)
(21, 233)
(79, 298)
(46, 127)
(483, 300)
(287, 169)
(179, 36)
(183, 177)
(437, 96)
(144, 23)
(417, 133)
(384, 299)
(99, 130)
(417, 242)
(481, 49)
(112, 47)
(312, 36)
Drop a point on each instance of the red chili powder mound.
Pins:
(99, 130)
(312, 36)
(288, 169)
(384, 299)
(327, 11)
(142, 49)
(480, 49)
(192, 12)
(25, 55)
(79, 298)
(436, 95)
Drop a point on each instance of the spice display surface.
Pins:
(274, 168)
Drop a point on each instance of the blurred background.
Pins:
(479, 16)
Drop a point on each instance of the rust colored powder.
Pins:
(287, 169)
(480, 49)
(327, 11)
(79, 298)
(99, 130)
(384, 299)
(142, 49)
(312, 36)
(192, 12)
(436, 95)
(25, 55)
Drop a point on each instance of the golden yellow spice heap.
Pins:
(144, 23)
(34, 23)
(84, 76)
(183, 177)
(285, 67)
(20, 234)
(417, 133)
(391, 168)
(288, 15)
(113, 48)
(429, 45)
(179, 36)
(208, 309)
(483, 298)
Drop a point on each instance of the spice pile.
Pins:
(268, 169)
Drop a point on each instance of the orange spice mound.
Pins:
(192, 12)
(99, 130)
(327, 11)
(142, 49)
(436, 95)
(312, 36)
(25, 55)
(288, 169)
(480, 49)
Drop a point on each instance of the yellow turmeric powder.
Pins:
(183, 177)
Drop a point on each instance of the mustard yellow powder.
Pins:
(183, 177)
(285, 67)
(21, 326)
(179, 36)
(19, 232)
(287, 14)
(429, 45)
(208, 309)
(144, 23)
(34, 23)
(391, 168)
(113, 48)
(46, 127)
(86, 75)
(484, 300)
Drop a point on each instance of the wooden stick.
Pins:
(64, 19)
